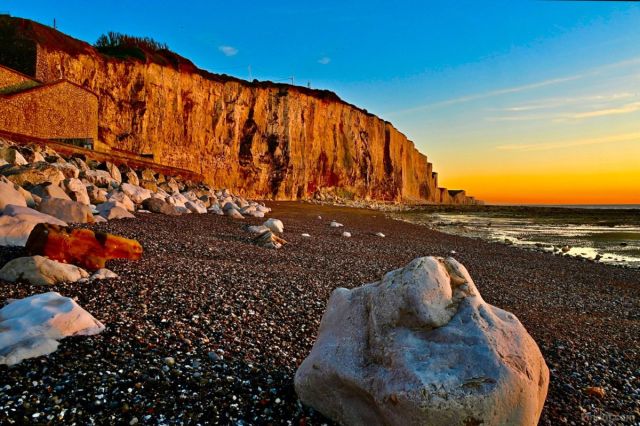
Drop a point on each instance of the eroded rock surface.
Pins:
(419, 347)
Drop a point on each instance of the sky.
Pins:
(515, 101)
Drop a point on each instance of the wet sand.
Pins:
(238, 320)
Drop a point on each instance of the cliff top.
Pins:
(21, 34)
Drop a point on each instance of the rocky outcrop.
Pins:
(259, 138)
(420, 347)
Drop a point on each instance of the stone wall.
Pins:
(59, 110)
(11, 78)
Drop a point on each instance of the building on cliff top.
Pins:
(58, 110)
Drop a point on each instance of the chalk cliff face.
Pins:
(262, 139)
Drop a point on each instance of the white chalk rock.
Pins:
(17, 222)
(100, 178)
(121, 200)
(137, 194)
(380, 234)
(215, 209)
(177, 200)
(346, 234)
(233, 213)
(67, 169)
(421, 346)
(111, 210)
(47, 190)
(255, 213)
(66, 210)
(114, 171)
(335, 224)
(306, 235)
(196, 206)
(230, 205)
(96, 195)
(274, 225)
(103, 274)
(31, 327)
(9, 194)
(77, 190)
(41, 271)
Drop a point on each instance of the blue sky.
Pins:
(517, 86)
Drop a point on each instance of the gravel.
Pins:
(209, 328)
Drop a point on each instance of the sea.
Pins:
(609, 234)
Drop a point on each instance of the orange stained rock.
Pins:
(596, 391)
(82, 247)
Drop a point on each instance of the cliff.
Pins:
(259, 138)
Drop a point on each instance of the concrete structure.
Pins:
(59, 110)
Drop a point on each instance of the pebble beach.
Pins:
(209, 328)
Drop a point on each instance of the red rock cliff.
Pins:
(263, 139)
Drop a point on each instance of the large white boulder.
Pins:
(112, 210)
(66, 210)
(215, 209)
(32, 326)
(177, 200)
(96, 195)
(233, 213)
(41, 271)
(47, 190)
(17, 222)
(100, 178)
(77, 190)
(196, 206)
(121, 200)
(275, 225)
(137, 193)
(9, 194)
(68, 170)
(114, 171)
(421, 346)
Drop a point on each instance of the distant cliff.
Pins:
(260, 138)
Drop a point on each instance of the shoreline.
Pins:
(202, 288)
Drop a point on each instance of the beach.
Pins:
(209, 328)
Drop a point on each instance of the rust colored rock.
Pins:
(81, 247)
(596, 391)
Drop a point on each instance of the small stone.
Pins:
(346, 234)
(596, 391)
